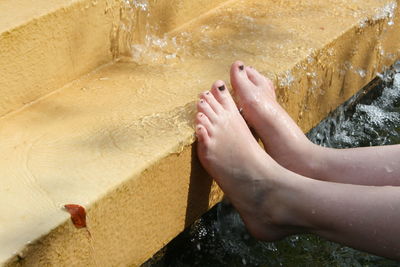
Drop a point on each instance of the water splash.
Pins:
(387, 12)
(286, 80)
(133, 24)
(137, 36)
(362, 73)
(374, 122)
(396, 80)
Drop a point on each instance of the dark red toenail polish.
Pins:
(202, 101)
(207, 93)
(221, 88)
(241, 67)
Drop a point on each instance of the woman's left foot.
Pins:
(232, 156)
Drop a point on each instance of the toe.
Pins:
(204, 107)
(202, 135)
(239, 78)
(259, 79)
(271, 87)
(210, 99)
(255, 77)
(202, 119)
(223, 96)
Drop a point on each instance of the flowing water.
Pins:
(219, 238)
(137, 35)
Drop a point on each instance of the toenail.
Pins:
(221, 88)
(241, 67)
(207, 93)
(201, 101)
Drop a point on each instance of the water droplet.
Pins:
(388, 169)
(396, 81)
(362, 73)
(313, 211)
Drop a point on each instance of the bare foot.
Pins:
(232, 156)
(281, 136)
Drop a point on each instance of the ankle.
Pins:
(313, 161)
(282, 201)
(296, 157)
(273, 217)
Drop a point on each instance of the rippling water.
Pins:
(219, 238)
(369, 121)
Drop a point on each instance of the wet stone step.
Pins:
(117, 139)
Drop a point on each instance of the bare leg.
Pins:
(363, 217)
(275, 202)
(287, 144)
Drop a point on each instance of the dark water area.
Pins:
(370, 118)
(219, 238)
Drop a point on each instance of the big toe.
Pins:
(239, 78)
(259, 80)
(255, 77)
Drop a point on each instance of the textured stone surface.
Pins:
(119, 141)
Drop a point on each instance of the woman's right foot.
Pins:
(281, 136)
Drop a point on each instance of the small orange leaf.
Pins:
(78, 215)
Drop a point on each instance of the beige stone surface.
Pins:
(46, 44)
(119, 140)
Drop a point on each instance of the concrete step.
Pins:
(46, 44)
(119, 140)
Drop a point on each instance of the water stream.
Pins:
(219, 238)
(137, 36)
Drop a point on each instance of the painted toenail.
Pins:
(207, 93)
(221, 88)
(201, 101)
(241, 67)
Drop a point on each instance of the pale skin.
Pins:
(350, 196)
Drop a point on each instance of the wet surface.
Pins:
(104, 129)
(219, 238)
